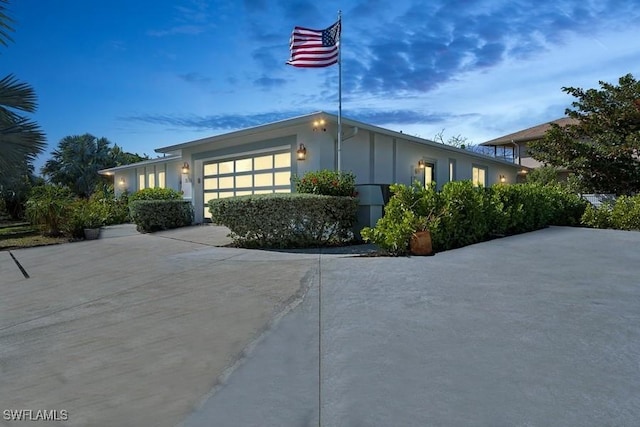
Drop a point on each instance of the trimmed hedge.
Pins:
(462, 214)
(286, 220)
(155, 215)
(156, 194)
(326, 182)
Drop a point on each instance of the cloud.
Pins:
(193, 18)
(178, 29)
(195, 78)
(269, 82)
(230, 122)
(427, 44)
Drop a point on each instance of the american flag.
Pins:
(314, 48)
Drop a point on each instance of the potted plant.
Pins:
(92, 219)
(420, 242)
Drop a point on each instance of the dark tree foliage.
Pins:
(602, 147)
(78, 158)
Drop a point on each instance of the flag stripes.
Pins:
(314, 48)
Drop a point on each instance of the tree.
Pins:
(20, 138)
(78, 158)
(602, 148)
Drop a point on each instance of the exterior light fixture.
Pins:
(319, 124)
(185, 168)
(122, 181)
(503, 179)
(523, 172)
(421, 164)
(302, 152)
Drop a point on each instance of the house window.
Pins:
(479, 176)
(452, 169)
(141, 180)
(151, 178)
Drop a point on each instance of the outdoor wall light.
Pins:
(302, 152)
(503, 179)
(421, 164)
(185, 168)
(122, 181)
(523, 172)
(319, 124)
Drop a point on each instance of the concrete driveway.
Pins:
(541, 329)
(132, 329)
(165, 329)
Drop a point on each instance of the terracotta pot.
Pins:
(420, 243)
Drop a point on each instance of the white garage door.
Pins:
(259, 174)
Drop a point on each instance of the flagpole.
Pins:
(340, 95)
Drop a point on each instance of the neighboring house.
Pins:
(514, 147)
(262, 159)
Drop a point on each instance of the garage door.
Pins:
(259, 174)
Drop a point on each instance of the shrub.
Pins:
(406, 209)
(599, 217)
(85, 214)
(462, 214)
(116, 209)
(155, 215)
(156, 194)
(624, 214)
(326, 182)
(47, 208)
(286, 220)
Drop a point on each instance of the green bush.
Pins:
(406, 209)
(116, 209)
(462, 214)
(326, 182)
(624, 214)
(85, 214)
(47, 207)
(156, 194)
(155, 215)
(599, 217)
(286, 220)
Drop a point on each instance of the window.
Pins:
(479, 176)
(141, 180)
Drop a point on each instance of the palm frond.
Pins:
(5, 26)
(20, 139)
(14, 94)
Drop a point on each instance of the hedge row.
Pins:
(155, 215)
(462, 214)
(624, 214)
(286, 220)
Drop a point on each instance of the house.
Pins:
(263, 158)
(514, 147)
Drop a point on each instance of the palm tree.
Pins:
(76, 161)
(20, 138)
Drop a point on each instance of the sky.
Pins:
(152, 73)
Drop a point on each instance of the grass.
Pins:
(30, 242)
(18, 235)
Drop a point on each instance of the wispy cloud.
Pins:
(227, 122)
(190, 19)
(195, 78)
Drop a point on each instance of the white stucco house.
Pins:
(263, 158)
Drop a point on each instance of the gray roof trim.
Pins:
(109, 171)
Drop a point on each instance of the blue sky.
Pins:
(152, 73)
